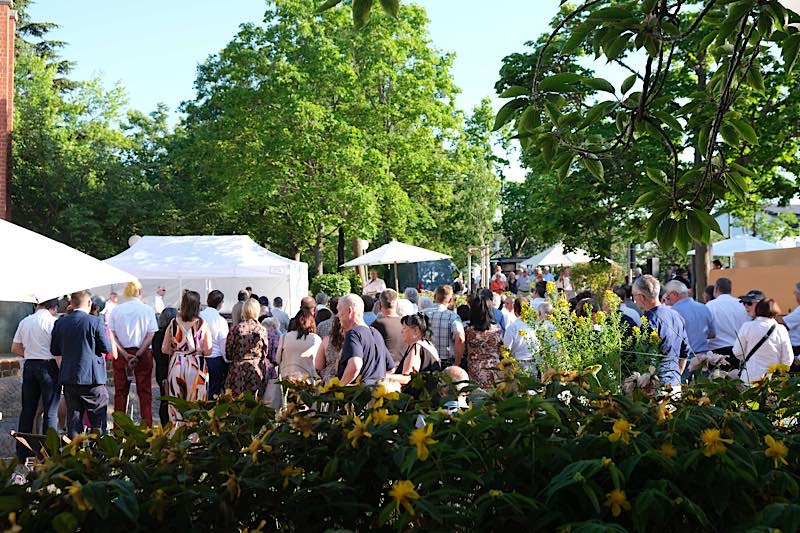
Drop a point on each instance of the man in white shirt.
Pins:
(509, 316)
(132, 326)
(520, 338)
(217, 363)
(729, 315)
(158, 299)
(280, 314)
(374, 285)
(792, 323)
(40, 370)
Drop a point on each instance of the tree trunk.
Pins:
(340, 259)
(358, 252)
(701, 262)
(319, 248)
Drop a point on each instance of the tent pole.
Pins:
(396, 280)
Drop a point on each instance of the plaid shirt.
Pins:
(445, 325)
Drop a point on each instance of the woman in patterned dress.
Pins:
(484, 339)
(187, 341)
(246, 348)
(327, 361)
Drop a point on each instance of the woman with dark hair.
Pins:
(161, 361)
(420, 355)
(327, 359)
(299, 347)
(187, 341)
(246, 348)
(484, 339)
(762, 343)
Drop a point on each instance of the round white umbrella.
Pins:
(555, 256)
(394, 253)
(734, 245)
(43, 268)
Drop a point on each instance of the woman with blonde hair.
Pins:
(187, 341)
(246, 348)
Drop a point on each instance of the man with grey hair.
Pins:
(388, 325)
(669, 326)
(698, 320)
(792, 322)
(364, 353)
(322, 301)
(412, 296)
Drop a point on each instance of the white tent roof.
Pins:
(43, 268)
(729, 247)
(555, 256)
(396, 253)
(204, 263)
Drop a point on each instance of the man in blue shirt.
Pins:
(668, 324)
(698, 320)
(80, 340)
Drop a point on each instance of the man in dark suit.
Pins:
(80, 340)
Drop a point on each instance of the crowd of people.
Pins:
(377, 337)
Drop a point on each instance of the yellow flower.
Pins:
(505, 353)
(358, 431)
(599, 317)
(557, 335)
(331, 385)
(622, 431)
(636, 330)
(77, 497)
(495, 493)
(506, 362)
(304, 425)
(713, 443)
(644, 320)
(288, 472)
(668, 450)
(777, 368)
(654, 338)
(776, 450)
(380, 394)
(522, 333)
(381, 416)
(12, 519)
(551, 288)
(617, 501)
(256, 446)
(607, 462)
(402, 491)
(421, 438)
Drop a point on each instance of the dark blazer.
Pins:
(80, 339)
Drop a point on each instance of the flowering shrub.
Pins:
(530, 455)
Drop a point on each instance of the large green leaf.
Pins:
(657, 176)
(628, 83)
(789, 48)
(563, 82)
(695, 226)
(506, 113)
(529, 120)
(600, 84)
(361, 10)
(514, 91)
(595, 166)
(708, 220)
(577, 37)
(328, 5)
(730, 135)
(745, 130)
(668, 119)
(612, 52)
(667, 232)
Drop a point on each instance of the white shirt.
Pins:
(131, 322)
(158, 303)
(374, 286)
(776, 349)
(536, 302)
(520, 339)
(108, 308)
(282, 317)
(729, 315)
(34, 332)
(792, 321)
(218, 328)
(508, 316)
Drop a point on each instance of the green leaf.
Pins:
(628, 83)
(610, 13)
(616, 48)
(789, 48)
(755, 79)
(595, 166)
(648, 198)
(702, 139)
(765, 25)
(682, 239)
(328, 5)
(695, 226)
(730, 135)
(506, 113)
(659, 177)
(668, 119)
(547, 145)
(708, 220)
(529, 120)
(514, 91)
(667, 232)
(654, 223)
(361, 9)
(577, 37)
(392, 7)
(600, 84)
(563, 82)
(96, 494)
(745, 130)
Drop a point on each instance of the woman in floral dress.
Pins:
(187, 341)
(246, 348)
(327, 361)
(484, 339)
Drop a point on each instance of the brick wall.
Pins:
(7, 33)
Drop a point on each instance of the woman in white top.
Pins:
(298, 348)
(776, 348)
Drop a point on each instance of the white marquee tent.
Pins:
(555, 256)
(204, 263)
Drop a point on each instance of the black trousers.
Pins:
(90, 398)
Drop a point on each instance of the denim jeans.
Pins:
(217, 372)
(39, 382)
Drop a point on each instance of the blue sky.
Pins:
(153, 47)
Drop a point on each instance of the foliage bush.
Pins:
(331, 284)
(529, 455)
(356, 285)
(596, 276)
